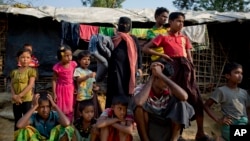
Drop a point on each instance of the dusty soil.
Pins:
(7, 124)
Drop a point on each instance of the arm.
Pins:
(104, 122)
(175, 89)
(25, 120)
(142, 96)
(16, 98)
(124, 128)
(80, 79)
(54, 78)
(63, 120)
(189, 55)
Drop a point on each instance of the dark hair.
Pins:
(120, 100)
(229, 67)
(43, 97)
(168, 68)
(21, 51)
(26, 44)
(175, 15)
(160, 10)
(124, 24)
(62, 48)
(84, 53)
(83, 104)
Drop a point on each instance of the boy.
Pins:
(160, 108)
(177, 50)
(44, 124)
(161, 16)
(115, 123)
(233, 101)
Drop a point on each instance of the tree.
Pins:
(218, 5)
(103, 3)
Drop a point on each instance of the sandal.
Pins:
(204, 138)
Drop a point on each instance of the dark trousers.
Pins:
(20, 110)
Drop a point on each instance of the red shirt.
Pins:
(173, 45)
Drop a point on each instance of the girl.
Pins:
(85, 129)
(22, 81)
(85, 79)
(62, 82)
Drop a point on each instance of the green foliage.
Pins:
(218, 5)
(103, 3)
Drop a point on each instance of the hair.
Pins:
(27, 44)
(229, 67)
(21, 51)
(121, 24)
(160, 10)
(84, 53)
(120, 100)
(83, 104)
(62, 48)
(43, 97)
(168, 69)
(175, 15)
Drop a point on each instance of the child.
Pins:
(62, 83)
(34, 61)
(116, 123)
(233, 101)
(85, 79)
(44, 124)
(177, 50)
(85, 129)
(161, 16)
(160, 106)
(22, 81)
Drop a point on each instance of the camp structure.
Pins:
(217, 37)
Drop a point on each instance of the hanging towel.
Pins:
(140, 32)
(86, 31)
(132, 55)
(108, 31)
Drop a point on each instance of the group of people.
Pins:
(160, 109)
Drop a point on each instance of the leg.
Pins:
(17, 114)
(141, 119)
(176, 128)
(104, 133)
(199, 117)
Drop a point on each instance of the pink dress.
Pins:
(65, 87)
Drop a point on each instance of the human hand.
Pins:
(166, 57)
(92, 75)
(17, 99)
(53, 104)
(156, 68)
(55, 97)
(225, 120)
(35, 100)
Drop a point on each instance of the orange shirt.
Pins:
(173, 45)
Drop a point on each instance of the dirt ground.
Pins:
(7, 124)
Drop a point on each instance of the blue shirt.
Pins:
(44, 127)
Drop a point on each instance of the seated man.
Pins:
(44, 124)
(160, 106)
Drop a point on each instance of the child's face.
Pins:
(84, 62)
(177, 24)
(162, 18)
(88, 113)
(28, 48)
(66, 56)
(120, 111)
(235, 76)
(44, 109)
(24, 59)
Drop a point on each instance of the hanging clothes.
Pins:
(70, 34)
(86, 31)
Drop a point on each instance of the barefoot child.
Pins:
(115, 123)
(45, 124)
(85, 129)
(233, 101)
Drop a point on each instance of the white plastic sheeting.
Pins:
(111, 15)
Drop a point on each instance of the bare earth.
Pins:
(7, 124)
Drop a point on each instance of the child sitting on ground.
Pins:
(116, 123)
(85, 129)
(233, 101)
(45, 124)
